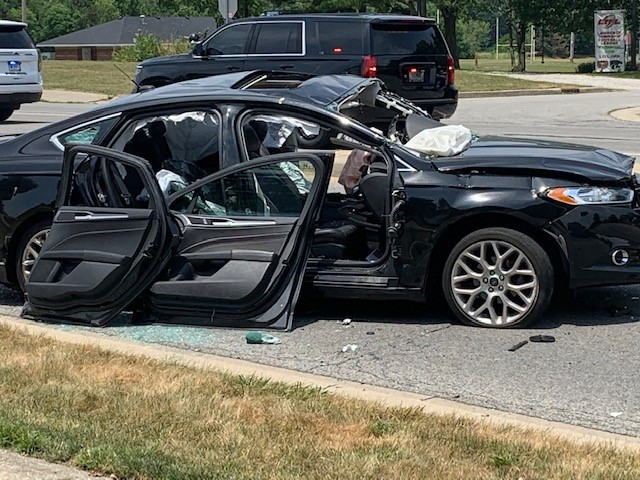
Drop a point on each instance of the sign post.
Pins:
(227, 9)
(610, 47)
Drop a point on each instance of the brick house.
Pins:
(100, 41)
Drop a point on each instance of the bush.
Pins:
(586, 67)
(147, 45)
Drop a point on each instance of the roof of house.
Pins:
(123, 30)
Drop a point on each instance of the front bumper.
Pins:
(589, 237)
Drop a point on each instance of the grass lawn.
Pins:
(474, 81)
(137, 418)
(550, 65)
(103, 77)
(95, 77)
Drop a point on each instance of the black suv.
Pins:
(408, 53)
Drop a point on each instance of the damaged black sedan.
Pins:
(217, 201)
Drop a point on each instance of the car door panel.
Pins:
(98, 255)
(240, 271)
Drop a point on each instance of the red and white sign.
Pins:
(610, 40)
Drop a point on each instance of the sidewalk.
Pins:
(599, 81)
(14, 466)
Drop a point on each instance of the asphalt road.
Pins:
(589, 376)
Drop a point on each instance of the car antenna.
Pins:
(127, 75)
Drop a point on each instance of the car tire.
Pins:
(5, 113)
(498, 278)
(28, 249)
(322, 140)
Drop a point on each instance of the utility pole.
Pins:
(633, 48)
(24, 11)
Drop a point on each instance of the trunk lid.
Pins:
(412, 57)
(18, 55)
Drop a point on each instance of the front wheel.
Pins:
(498, 278)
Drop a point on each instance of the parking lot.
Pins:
(588, 376)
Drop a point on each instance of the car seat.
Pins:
(149, 142)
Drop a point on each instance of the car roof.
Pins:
(9, 23)
(367, 17)
(319, 90)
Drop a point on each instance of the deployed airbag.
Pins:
(442, 141)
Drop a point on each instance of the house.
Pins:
(100, 41)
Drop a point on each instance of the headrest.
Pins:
(157, 129)
(251, 139)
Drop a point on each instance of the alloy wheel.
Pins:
(494, 282)
(31, 252)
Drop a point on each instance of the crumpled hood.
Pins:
(539, 157)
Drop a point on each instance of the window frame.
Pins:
(55, 138)
(251, 40)
(256, 32)
(222, 29)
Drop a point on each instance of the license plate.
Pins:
(416, 75)
(14, 66)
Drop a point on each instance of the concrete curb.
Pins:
(631, 114)
(385, 396)
(536, 91)
(66, 96)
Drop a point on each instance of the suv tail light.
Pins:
(369, 66)
(39, 60)
(451, 72)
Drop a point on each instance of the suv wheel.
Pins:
(498, 278)
(28, 250)
(5, 113)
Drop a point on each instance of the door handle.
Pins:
(286, 67)
(100, 216)
(233, 69)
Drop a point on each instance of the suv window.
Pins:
(15, 37)
(230, 41)
(279, 37)
(406, 39)
(340, 38)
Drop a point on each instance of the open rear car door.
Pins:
(109, 239)
(231, 251)
(245, 239)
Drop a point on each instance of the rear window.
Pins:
(15, 37)
(407, 39)
(340, 38)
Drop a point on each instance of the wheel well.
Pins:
(455, 232)
(15, 240)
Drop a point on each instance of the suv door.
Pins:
(222, 52)
(276, 45)
(245, 237)
(109, 238)
(18, 56)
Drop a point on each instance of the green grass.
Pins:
(136, 418)
(95, 77)
(550, 65)
(470, 81)
(103, 77)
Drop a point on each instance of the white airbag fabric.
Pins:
(441, 141)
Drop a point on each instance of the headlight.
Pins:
(138, 69)
(590, 195)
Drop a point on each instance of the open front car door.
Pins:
(245, 237)
(109, 239)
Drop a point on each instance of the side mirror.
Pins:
(198, 50)
(194, 38)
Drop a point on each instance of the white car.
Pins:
(20, 78)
